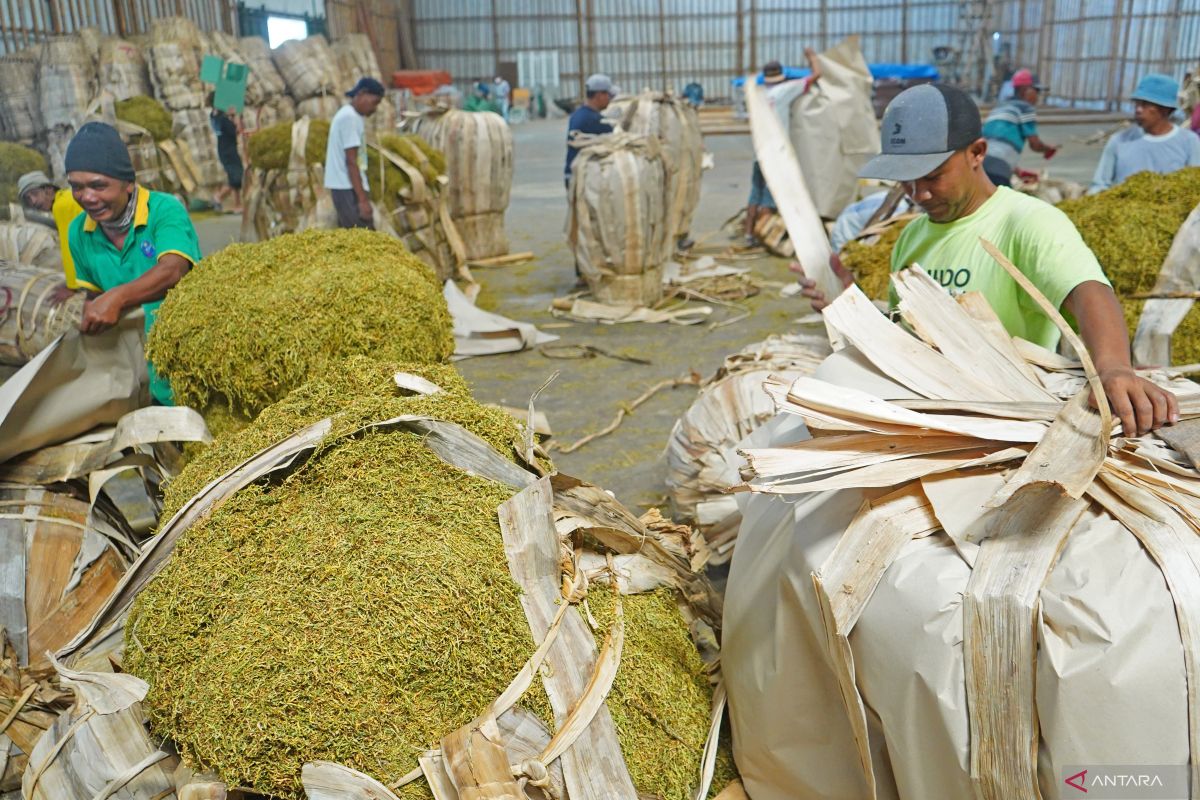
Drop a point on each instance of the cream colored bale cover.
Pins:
(265, 81)
(20, 103)
(174, 58)
(66, 80)
(309, 67)
(833, 128)
(122, 69)
(1110, 678)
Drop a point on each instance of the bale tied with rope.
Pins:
(35, 309)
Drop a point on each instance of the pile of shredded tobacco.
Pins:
(271, 147)
(15, 161)
(360, 608)
(254, 321)
(871, 264)
(147, 113)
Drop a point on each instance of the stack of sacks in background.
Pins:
(66, 86)
(20, 106)
(122, 69)
(356, 59)
(176, 50)
(267, 100)
(310, 70)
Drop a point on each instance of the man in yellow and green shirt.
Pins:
(933, 145)
(38, 192)
(132, 244)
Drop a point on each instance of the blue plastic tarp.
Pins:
(878, 72)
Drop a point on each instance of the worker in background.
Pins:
(131, 243)
(781, 92)
(932, 141)
(1154, 144)
(37, 192)
(228, 127)
(346, 156)
(1010, 125)
(503, 93)
(481, 100)
(587, 119)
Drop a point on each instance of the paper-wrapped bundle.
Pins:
(356, 58)
(32, 243)
(674, 122)
(701, 455)
(174, 54)
(66, 81)
(948, 558)
(443, 547)
(479, 164)
(192, 129)
(617, 225)
(265, 81)
(20, 102)
(309, 68)
(41, 309)
(319, 107)
(123, 72)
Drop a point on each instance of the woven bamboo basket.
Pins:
(123, 71)
(20, 104)
(617, 226)
(174, 55)
(309, 67)
(479, 165)
(675, 123)
(66, 80)
(32, 315)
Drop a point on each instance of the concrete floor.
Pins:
(587, 393)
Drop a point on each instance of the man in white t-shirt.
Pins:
(780, 94)
(346, 155)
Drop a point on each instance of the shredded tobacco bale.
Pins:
(148, 113)
(15, 161)
(254, 321)
(271, 147)
(871, 264)
(361, 608)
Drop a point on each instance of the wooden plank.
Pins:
(594, 768)
(1000, 608)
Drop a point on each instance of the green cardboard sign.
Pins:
(229, 80)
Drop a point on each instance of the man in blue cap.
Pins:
(933, 144)
(346, 156)
(1155, 144)
(132, 243)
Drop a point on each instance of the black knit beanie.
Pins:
(97, 147)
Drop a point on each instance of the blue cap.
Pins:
(1162, 90)
(368, 85)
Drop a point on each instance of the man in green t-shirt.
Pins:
(133, 243)
(932, 143)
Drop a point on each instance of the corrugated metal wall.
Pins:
(24, 23)
(1090, 51)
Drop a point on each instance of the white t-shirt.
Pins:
(780, 97)
(345, 131)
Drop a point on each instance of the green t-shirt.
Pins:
(160, 226)
(1038, 238)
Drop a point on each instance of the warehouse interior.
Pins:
(579, 400)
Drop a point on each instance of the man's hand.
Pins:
(101, 312)
(1049, 152)
(365, 212)
(1139, 404)
(808, 287)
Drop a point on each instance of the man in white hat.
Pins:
(588, 118)
(933, 144)
(39, 193)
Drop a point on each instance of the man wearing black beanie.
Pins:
(133, 243)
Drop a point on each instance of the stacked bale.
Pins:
(267, 101)
(675, 123)
(479, 165)
(427, 627)
(322, 106)
(617, 226)
(20, 104)
(122, 69)
(25, 242)
(309, 68)
(38, 311)
(66, 85)
(356, 58)
(176, 50)
(260, 319)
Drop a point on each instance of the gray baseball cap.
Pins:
(923, 127)
(601, 83)
(32, 180)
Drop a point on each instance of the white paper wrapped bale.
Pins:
(265, 81)
(20, 104)
(66, 81)
(479, 165)
(964, 586)
(309, 68)
(618, 226)
(123, 71)
(356, 58)
(702, 457)
(675, 123)
(175, 53)
(191, 127)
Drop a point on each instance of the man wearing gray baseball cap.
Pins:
(932, 143)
